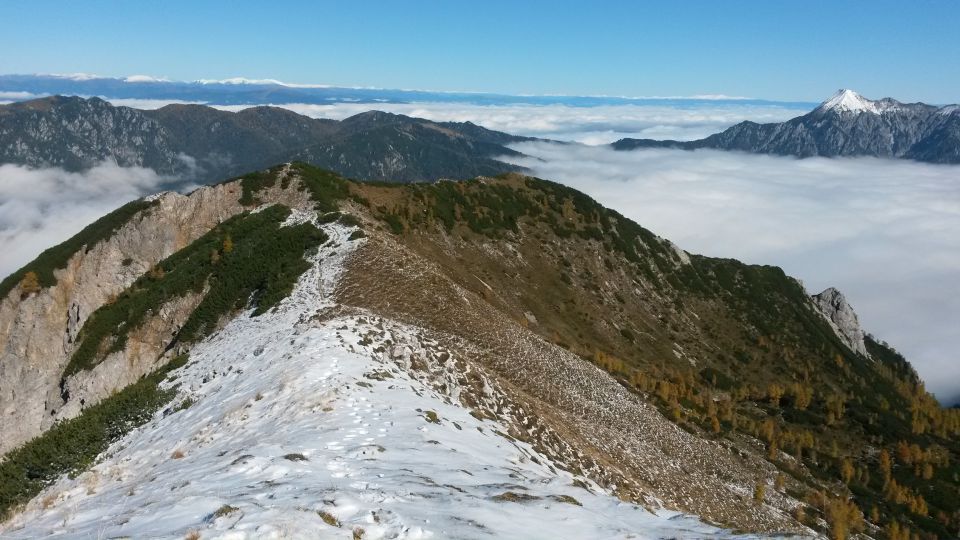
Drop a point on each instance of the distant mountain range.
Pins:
(205, 144)
(847, 124)
(243, 91)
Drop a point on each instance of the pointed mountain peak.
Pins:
(849, 101)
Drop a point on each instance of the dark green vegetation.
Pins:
(249, 256)
(72, 445)
(56, 257)
(725, 349)
(326, 188)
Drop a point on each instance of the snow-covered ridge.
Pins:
(301, 427)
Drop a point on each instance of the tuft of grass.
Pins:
(512, 496)
(295, 457)
(567, 499)
(224, 510)
(177, 454)
(328, 518)
(186, 403)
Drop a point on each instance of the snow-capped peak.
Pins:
(849, 101)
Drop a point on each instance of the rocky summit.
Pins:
(291, 353)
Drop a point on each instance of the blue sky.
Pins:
(776, 50)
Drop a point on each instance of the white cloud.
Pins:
(43, 207)
(75, 76)
(16, 96)
(590, 125)
(149, 104)
(883, 232)
(145, 79)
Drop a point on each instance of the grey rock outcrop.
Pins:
(835, 308)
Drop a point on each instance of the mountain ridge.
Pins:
(197, 143)
(539, 289)
(846, 124)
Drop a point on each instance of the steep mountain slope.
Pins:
(847, 124)
(200, 143)
(74, 133)
(589, 352)
(304, 422)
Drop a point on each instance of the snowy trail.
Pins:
(298, 429)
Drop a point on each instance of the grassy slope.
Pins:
(713, 339)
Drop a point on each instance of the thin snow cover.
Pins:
(301, 429)
(849, 101)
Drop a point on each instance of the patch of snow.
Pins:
(145, 79)
(849, 101)
(158, 195)
(289, 436)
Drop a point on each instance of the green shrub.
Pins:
(72, 445)
(263, 265)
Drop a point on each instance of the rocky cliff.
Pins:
(843, 319)
(38, 331)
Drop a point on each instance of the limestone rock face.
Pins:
(37, 333)
(835, 308)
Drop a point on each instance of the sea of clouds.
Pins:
(884, 232)
(589, 125)
(43, 207)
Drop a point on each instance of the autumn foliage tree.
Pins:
(844, 517)
(29, 284)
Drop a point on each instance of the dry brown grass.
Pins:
(328, 518)
(177, 454)
(573, 405)
(48, 501)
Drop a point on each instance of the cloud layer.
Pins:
(883, 232)
(43, 207)
(589, 125)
